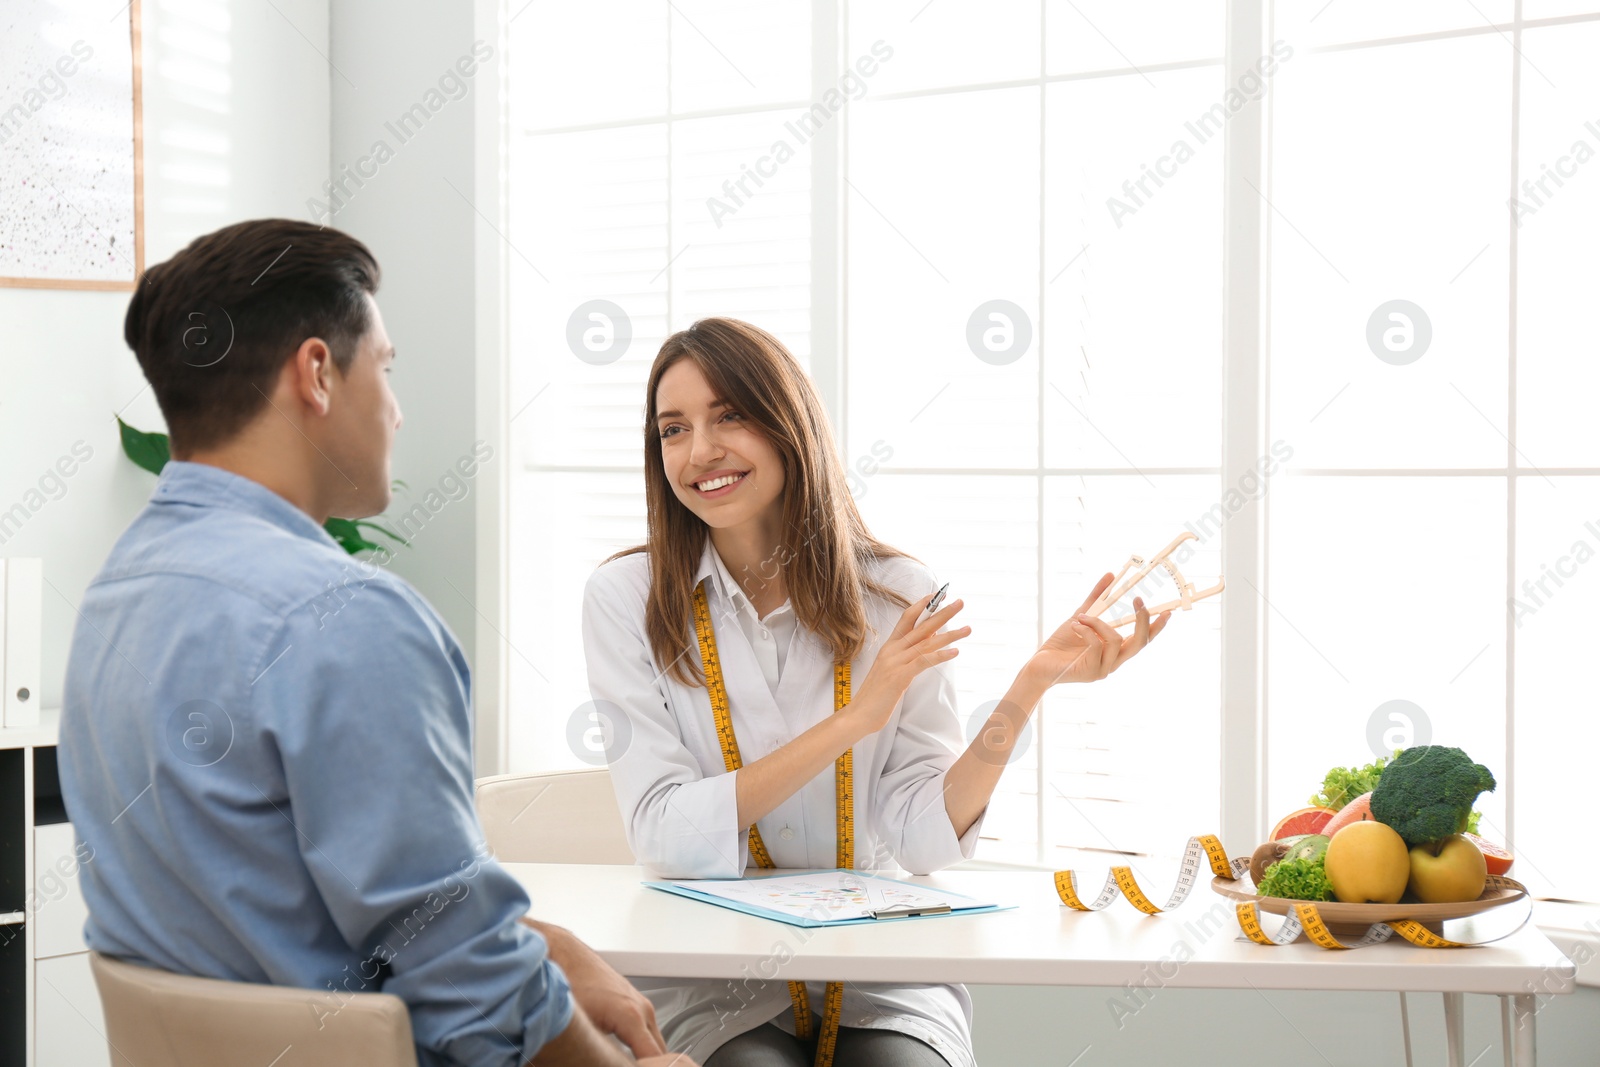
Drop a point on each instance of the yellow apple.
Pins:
(1443, 872)
(1367, 863)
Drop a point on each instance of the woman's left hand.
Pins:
(1085, 649)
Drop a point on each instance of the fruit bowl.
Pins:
(1498, 892)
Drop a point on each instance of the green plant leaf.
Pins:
(348, 533)
(149, 450)
(385, 531)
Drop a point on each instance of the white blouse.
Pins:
(680, 805)
(769, 636)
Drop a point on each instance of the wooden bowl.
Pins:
(1498, 892)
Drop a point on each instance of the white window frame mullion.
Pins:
(492, 361)
(1508, 777)
(829, 236)
(1243, 739)
(1041, 729)
(672, 214)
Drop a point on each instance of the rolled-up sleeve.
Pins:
(372, 721)
(909, 810)
(681, 822)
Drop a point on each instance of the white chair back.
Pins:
(553, 817)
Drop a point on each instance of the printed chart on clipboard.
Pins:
(826, 895)
(814, 897)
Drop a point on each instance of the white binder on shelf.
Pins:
(21, 628)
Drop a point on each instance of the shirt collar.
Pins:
(712, 566)
(207, 486)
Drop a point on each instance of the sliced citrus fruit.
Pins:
(1497, 857)
(1304, 821)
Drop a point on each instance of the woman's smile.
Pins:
(719, 483)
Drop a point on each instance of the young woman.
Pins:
(761, 600)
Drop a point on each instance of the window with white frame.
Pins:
(994, 235)
(1432, 357)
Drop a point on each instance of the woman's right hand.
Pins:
(912, 648)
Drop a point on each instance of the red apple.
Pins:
(1444, 872)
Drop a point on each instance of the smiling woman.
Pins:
(818, 650)
(727, 400)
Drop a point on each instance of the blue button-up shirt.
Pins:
(266, 752)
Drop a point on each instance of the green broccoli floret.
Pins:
(1427, 792)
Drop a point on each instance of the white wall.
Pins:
(236, 118)
(1024, 1026)
(417, 214)
(248, 109)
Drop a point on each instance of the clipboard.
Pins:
(828, 898)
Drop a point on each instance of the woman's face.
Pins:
(717, 463)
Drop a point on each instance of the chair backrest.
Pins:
(555, 817)
(159, 1019)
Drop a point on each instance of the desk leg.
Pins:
(1405, 1015)
(1455, 1028)
(1523, 1009)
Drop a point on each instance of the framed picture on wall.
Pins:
(71, 145)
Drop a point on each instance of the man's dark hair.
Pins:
(213, 325)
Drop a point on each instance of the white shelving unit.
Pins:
(49, 1009)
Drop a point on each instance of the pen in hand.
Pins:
(938, 598)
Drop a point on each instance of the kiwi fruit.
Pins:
(1271, 852)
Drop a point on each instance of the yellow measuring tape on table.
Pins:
(844, 814)
(1305, 916)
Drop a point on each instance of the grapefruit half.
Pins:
(1304, 821)
(1496, 857)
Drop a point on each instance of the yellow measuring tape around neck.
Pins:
(844, 813)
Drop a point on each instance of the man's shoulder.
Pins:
(241, 557)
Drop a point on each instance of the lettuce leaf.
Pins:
(1344, 784)
(1301, 879)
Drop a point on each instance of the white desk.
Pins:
(647, 933)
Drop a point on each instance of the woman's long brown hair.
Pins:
(827, 547)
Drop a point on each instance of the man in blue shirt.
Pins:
(267, 744)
